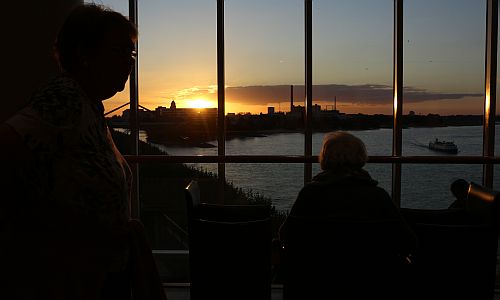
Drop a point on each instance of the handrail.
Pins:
(310, 159)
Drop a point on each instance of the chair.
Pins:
(193, 195)
(455, 261)
(435, 216)
(229, 249)
(457, 253)
(216, 212)
(330, 259)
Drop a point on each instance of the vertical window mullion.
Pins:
(133, 121)
(490, 88)
(221, 127)
(308, 91)
(397, 129)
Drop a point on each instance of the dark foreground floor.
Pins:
(181, 292)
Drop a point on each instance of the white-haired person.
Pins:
(345, 192)
(343, 189)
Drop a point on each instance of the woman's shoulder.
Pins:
(59, 102)
(54, 110)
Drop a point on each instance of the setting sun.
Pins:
(199, 103)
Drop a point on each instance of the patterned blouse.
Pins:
(76, 163)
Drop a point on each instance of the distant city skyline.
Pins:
(352, 54)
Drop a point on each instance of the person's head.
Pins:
(342, 150)
(96, 46)
(459, 188)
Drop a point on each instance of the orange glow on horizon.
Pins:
(468, 105)
(199, 103)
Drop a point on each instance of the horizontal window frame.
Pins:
(270, 159)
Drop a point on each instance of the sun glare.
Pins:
(199, 103)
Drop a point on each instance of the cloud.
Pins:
(368, 94)
(196, 92)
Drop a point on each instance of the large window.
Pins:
(240, 94)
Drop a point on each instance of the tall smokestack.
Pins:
(291, 98)
(335, 104)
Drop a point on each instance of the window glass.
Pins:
(177, 72)
(352, 65)
(278, 183)
(443, 73)
(428, 186)
(264, 58)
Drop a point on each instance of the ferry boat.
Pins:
(443, 146)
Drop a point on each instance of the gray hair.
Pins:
(342, 149)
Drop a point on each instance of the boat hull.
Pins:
(447, 148)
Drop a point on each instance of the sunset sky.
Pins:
(352, 54)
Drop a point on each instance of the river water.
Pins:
(423, 186)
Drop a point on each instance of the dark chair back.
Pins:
(230, 260)
(435, 216)
(455, 261)
(227, 212)
(329, 259)
(229, 249)
(457, 253)
(193, 196)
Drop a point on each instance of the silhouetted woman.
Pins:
(72, 184)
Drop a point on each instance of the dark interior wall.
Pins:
(29, 30)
